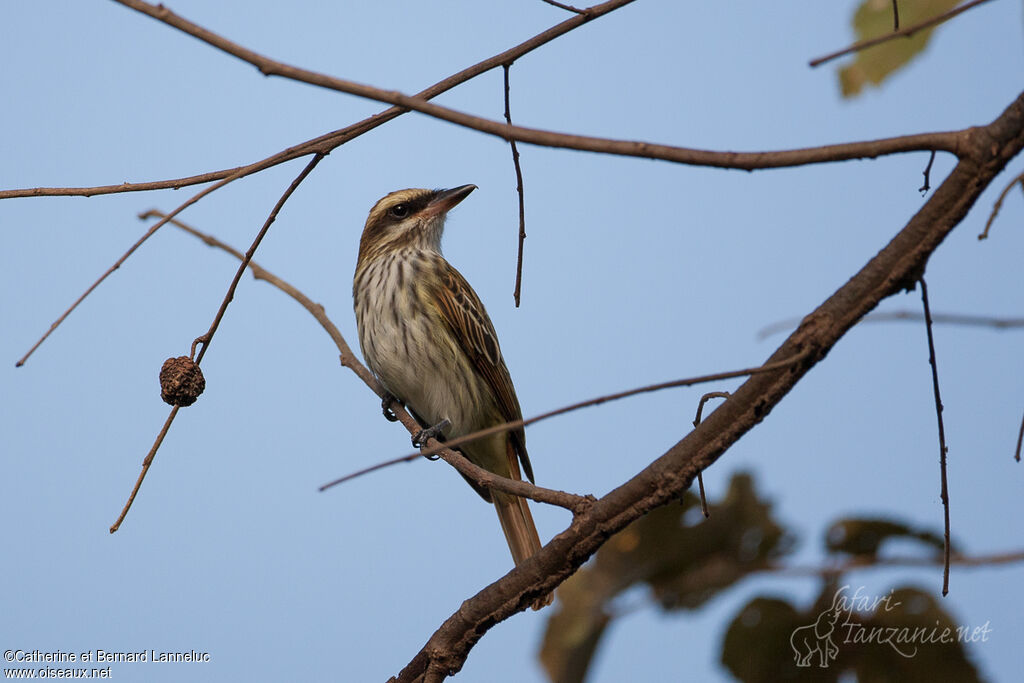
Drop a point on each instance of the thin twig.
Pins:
(519, 189)
(704, 399)
(1020, 439)
(927, 174)
(908, 31)
(348, 359)
(858, 563)
(172, 184)
(333, 139)
(696, 422)
(576, 503)
(117, 264)
(323, 144)
(516, 424)
(999, 204)
(567, 8)
(949, 141)
(965, 319)
(145, 468)
(944, 493)
(206, 338)
(985, 154)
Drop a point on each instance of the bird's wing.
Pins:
(462, 311)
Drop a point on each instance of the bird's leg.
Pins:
(421, 437)
(385, 405)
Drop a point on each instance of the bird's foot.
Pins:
(421, 437)
(385, 405)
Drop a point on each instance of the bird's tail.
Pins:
(520, 531)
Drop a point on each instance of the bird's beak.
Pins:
(445, 200)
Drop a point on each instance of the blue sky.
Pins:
(636, 272)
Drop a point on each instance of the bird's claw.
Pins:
(421, 437)
(385, 406)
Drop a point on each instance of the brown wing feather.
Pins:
(465, 315)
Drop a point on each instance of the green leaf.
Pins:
(873, 19)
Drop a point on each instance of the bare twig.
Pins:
(145, 468)
(332, 140)
(858, 563)
(117, 264)
(704, 399)
(348, 359)
(696, 422)
(943, 450)
(690, 381)
(908, 31)
(1020, 440)
(321, 145)
(173, 184)
(575, 503)
(927, 185)
(965, 319)
(519, 189)
(567, 8)
(516, 424)
(208, 336)
(999, 204)
(947, 142)
(986, 152)
(944, 141)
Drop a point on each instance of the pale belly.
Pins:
(427, 371)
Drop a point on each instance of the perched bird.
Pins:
(428, 339)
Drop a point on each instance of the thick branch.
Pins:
(986, 152)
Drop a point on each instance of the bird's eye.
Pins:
(399, 210)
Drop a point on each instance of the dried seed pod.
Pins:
(181, 381)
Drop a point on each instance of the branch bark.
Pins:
(943, 141)
(329, 141)
(985, 152)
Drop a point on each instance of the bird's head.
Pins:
(409, 218)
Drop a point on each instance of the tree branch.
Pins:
(986, 152)
(438, 448)
(207, 337)
(943, 450)
(321, 145)
(334, 139)
(901, 33)
(517, 292)
(964, 319)
(999, 204)
(572, 502)
(947, 141)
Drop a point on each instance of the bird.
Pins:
(427, 338)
